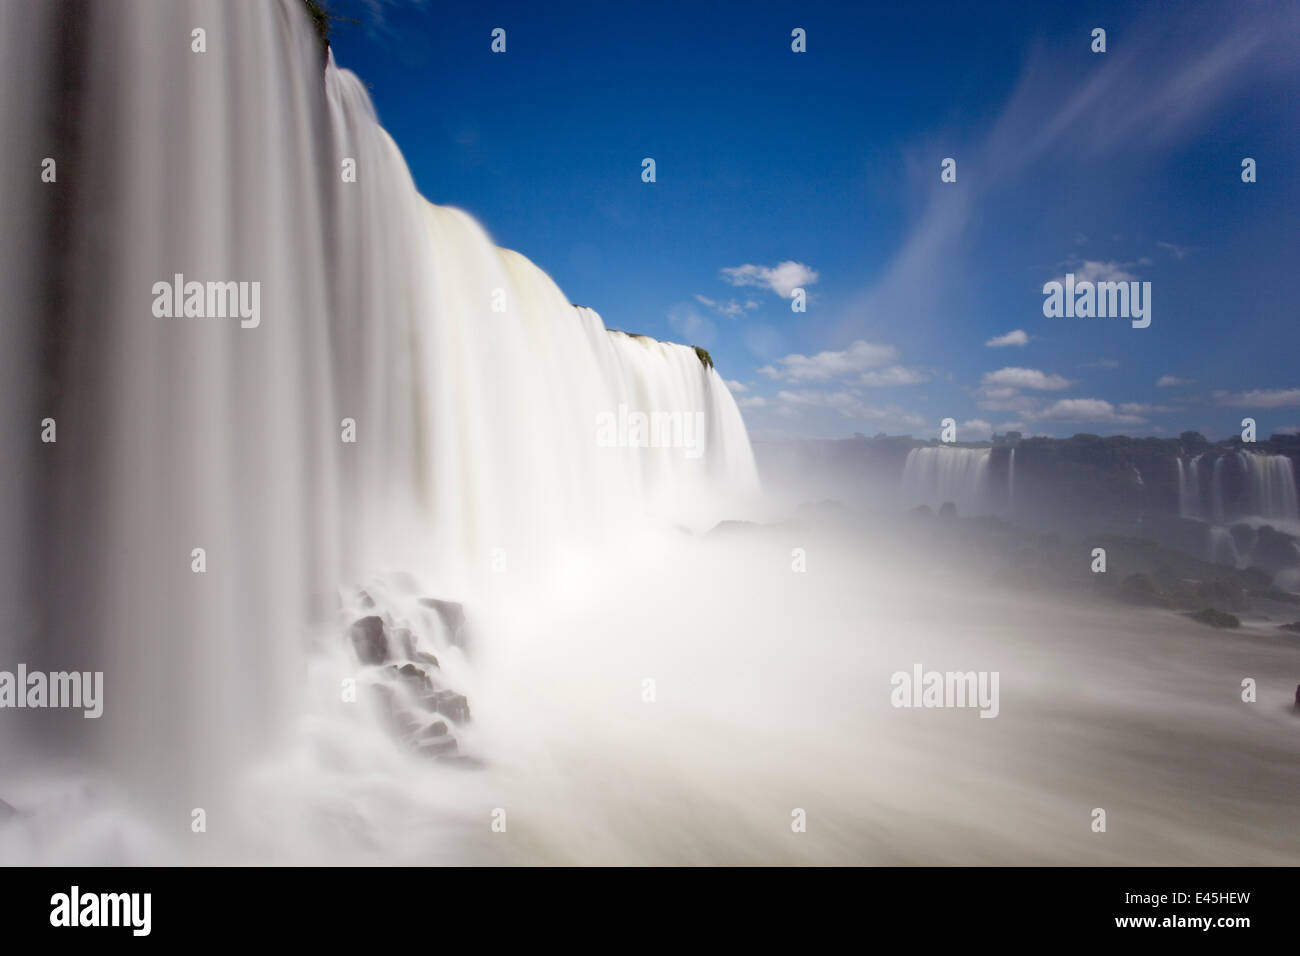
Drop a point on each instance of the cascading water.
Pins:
(935, 475)
(1189, 487)
(1011, 481)
(1222, 548)
(407, 395)
(1262, 486)
(1272, 485)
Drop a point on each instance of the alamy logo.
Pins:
(70, 689)
(1103, 300)
(946, 689)
(211, 300)
(629, 429)
(102, 909)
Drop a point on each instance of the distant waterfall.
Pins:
(1189, 487)
(1272, 486)
(1241, 485)
(1011, 481)
(938, 474)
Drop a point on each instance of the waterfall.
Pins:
(1272, 486)
(1011, 481)
(1216, 490)
(1189, 487)
(472, 390)
(1222, 547)
(939, 474)
(1242, 485)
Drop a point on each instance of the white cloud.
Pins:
(1096, 270)
(974, 430)
(894, 375)
(1086, 410)
(736, 386)
(824, 366)
(783, 278)
(752, 401)
(1026, 378)
(1017, 337)
(1260, 398)
(1178, 251)
(1142, 408)
(731, 308)
(1169, 381)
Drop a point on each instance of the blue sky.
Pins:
(1123, 165)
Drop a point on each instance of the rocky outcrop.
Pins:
(1215, 618)
(368, 640)
(403, 678)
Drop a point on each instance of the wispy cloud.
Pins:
(1087, 410)
(1170, 381)
(1015, 337)
(783, 278)
(1152, 93)
(1099, 270)
(894, 375)
(824, 366)
(731, 308)
(1259, 398)
(1030, 378)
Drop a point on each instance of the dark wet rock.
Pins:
(365, 601)
(436, 746)
(424, 658)
(921, 511)
(1215, 618)
(448, 703)
(7, 811)
(1274, 550)
(1294, 626)
(414, 677)
(436, 729)
(1243, 537)
(368, 640)
(451, 614)
(947, 510)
